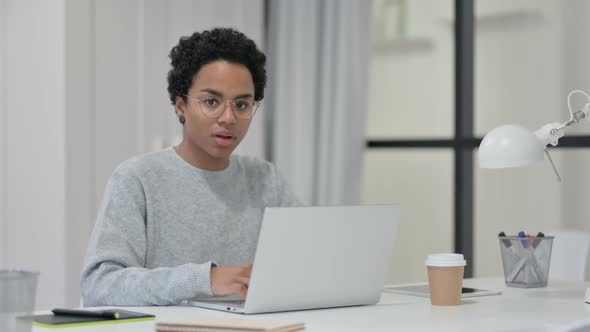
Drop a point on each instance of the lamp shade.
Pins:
(510, 146)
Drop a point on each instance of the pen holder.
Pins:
(526, 260)
(17, 298)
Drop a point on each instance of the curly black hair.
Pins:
(192, 53)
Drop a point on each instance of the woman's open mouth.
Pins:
(224, 139)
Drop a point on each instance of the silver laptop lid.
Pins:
(318, 257)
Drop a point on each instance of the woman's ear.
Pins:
(180, 107)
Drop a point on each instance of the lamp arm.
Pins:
(552, 132)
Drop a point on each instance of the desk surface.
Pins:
(535, 309)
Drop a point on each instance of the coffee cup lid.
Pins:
(445, 260)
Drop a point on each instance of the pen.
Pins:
(505, 241)
(522, 234)
(536, 242)
(86, 313)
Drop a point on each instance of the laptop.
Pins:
(317, 257)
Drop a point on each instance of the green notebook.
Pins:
(59, 321)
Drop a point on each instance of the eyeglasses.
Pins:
(213, 106)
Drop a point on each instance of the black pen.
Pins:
(86, 313)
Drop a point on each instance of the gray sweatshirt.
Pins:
(163, 222)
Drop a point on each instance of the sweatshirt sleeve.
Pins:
(114, 270)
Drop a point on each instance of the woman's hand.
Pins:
(229, 280)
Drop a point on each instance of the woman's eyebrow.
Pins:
(219, 94)
(213, 92)
(244, 95)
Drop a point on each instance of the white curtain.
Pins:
(317, 97)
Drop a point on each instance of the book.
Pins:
(59, 321)
(228, 325)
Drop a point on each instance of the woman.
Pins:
(183, 222)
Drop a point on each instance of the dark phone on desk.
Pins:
(467, 290)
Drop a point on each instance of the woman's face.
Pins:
(212, 139)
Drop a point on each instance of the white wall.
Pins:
(421, 181)
(2, 132)
(411, 87)
(80, 136)
(577, 76)
(33, 132)
(518, 67)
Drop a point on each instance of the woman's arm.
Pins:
(114, 270)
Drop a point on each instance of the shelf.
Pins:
(513, 18)
(403, 46)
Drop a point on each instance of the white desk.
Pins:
(535, 309)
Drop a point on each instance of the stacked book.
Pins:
(228, 325)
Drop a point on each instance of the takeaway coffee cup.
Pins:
(445, 278)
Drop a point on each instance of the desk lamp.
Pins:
(515, 146)
(510, 146)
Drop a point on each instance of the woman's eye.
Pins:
(211, 102)
(242, 104)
